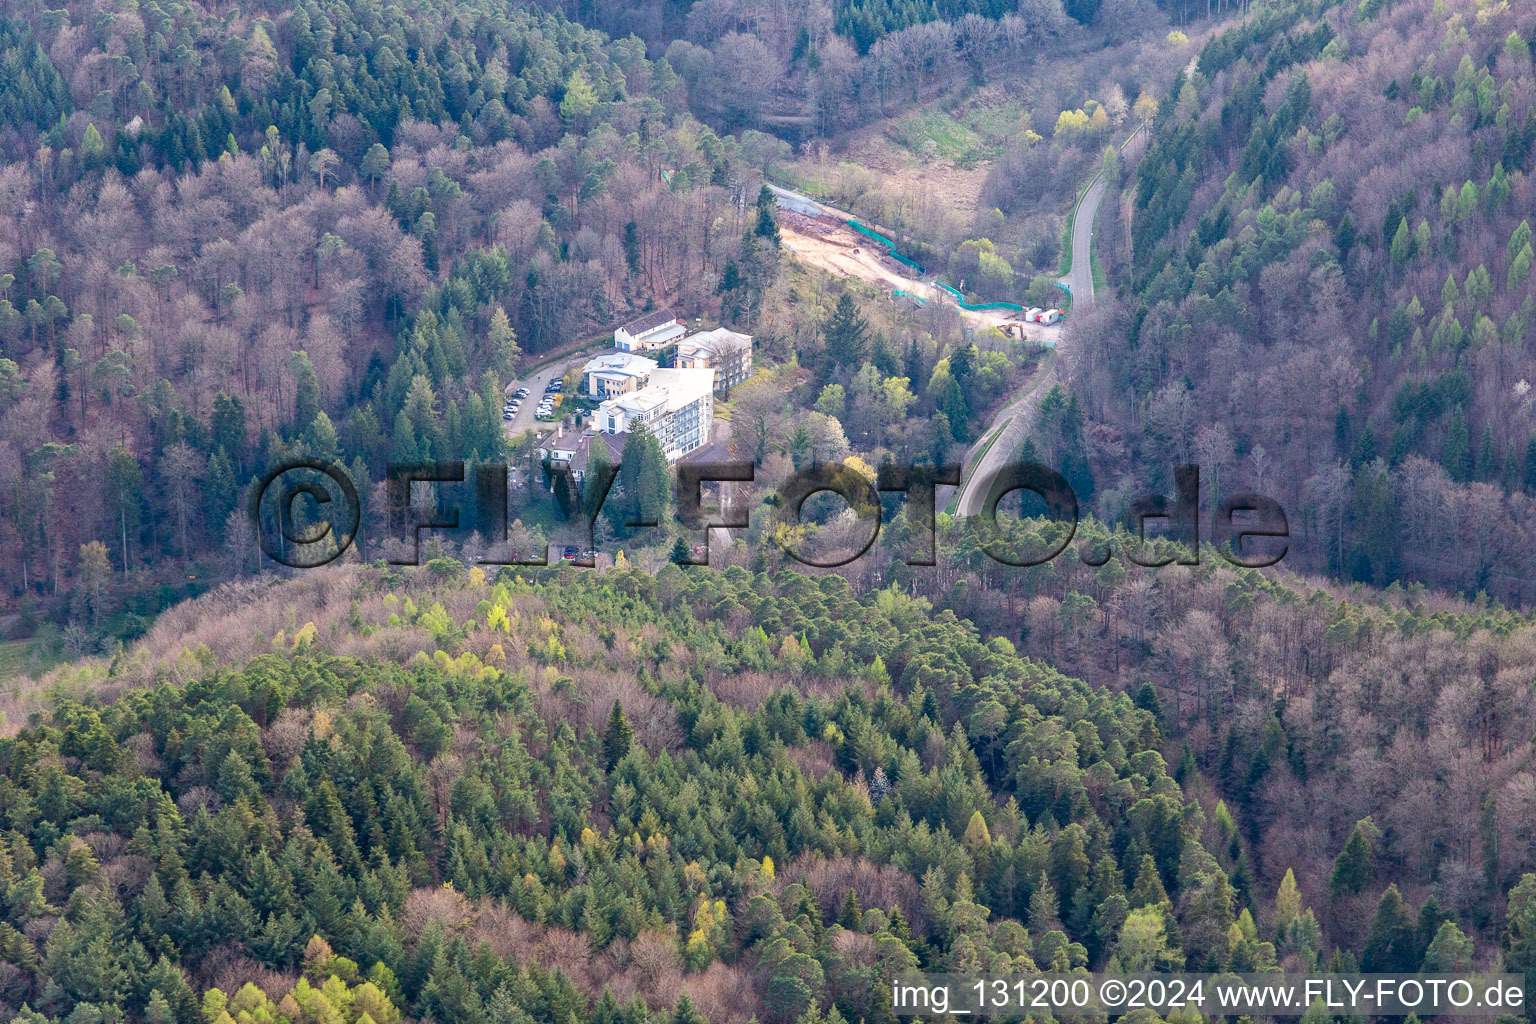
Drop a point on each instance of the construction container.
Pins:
(1032, 315)
(1050, 316)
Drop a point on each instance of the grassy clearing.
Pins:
(996, 121)
(794, 176)
(968, 137)
(15, 658)
(951, 139)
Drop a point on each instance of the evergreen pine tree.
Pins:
(852, 915)
(617, 737)
(643, 475)
(958, 410)
(845, 332)
(1148, 890)
(1487, 457)
(632, 247)
(767, 227)
(1355, 868)
(1392, 945)
(1456, 456)
(1520, 928)
(1043, 906)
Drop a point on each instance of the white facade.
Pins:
(677, 408)
(727, 353)
(616, 373)
(648, 333)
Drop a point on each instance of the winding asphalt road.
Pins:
(983, 461)
(1079, 279)
(1012, 422)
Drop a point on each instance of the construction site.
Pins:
(834, 243)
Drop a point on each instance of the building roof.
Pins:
(620, 363)
(661, 335)
(649, 322)
(713, 341)
(670, 390)
(642, 401)
(613, 442)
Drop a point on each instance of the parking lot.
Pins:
(526, 419)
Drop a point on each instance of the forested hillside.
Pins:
(615, 797)
(599, 793)
(331, 230)
(336, 231)
(1331, 296)
(651, 794)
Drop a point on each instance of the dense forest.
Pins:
(755, 792)
(227, 239)
(689, 796)
(1330, 298)
(796, 26)
(336, 232)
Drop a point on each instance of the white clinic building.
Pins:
(677, 407)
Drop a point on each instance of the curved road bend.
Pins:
(1079, 279)
(1019, 415)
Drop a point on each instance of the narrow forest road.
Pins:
(1079, 279)
(983, 461)
(1011, 423)
(1017, 417)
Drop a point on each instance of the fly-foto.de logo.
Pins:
(307, 513)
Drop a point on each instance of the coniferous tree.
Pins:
(617, 737)
(845, 332)
(852, 914)
(1392, 946)
(1456, 456)
(632, 247)
(1355, 868)
(767, 228)
(644, 477)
